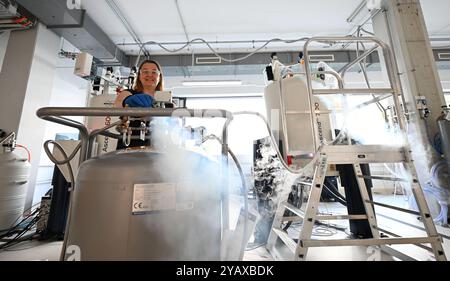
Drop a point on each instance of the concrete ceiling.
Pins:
(234, 20)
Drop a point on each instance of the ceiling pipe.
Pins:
(197, 42)
(113, 5)
(185, 32)
(358, 25)
(357, 10)
(182, 21)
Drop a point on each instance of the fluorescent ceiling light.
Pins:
(212, 83)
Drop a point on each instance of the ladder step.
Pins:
(286, 239)
(363, 154)
(396, 235)
(294, 209)
(293, 218)
(305, 183)
(327, 217)
(369, 242)
(383, 178)
(395, 253)
(342, 217)
(364, 91)
(394, 208)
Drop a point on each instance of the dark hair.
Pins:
(138, 84)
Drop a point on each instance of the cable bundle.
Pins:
(18, 233)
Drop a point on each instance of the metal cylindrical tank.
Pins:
(297, 115)
(14, 173)
(146, 205)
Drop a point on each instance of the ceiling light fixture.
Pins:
(212, 83)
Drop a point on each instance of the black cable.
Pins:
(287, 225)
(13, 229)
(18, 238)
(338, 227)
(13, 225)
(28, 238)
(338, 193)
(24, 230)
(338, 199)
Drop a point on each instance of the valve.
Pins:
(422, 107)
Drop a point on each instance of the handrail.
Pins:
(132, 112)
(335, 74)
(367, 53)
(388, 57)
(54, 114)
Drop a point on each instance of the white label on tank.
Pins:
(153, 197)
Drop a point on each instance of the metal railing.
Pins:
(56, 115)
(394, 90)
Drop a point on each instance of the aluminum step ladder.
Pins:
(355, 155)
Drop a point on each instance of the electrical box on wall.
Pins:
(83, 64)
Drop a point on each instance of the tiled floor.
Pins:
(44, 250)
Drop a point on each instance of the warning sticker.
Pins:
(153, 197)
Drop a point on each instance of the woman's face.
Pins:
(149, 75)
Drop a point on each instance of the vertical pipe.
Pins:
(391, 42)
(310, 91)
(394, 81)
(283, 121)
(224, 175)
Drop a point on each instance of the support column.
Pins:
(401, 24)
(26, 83)
(4, 38)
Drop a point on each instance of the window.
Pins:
(242, 131)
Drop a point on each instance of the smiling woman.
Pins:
(149, 80)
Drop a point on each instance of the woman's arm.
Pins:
(120, 97)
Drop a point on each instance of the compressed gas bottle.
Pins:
(14, 174)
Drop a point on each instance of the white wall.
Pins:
(26, 79)
(68, 90)
(444, 75)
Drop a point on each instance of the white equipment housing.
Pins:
(83, 64)
(103, 144)
(294, 116)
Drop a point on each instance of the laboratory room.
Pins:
(224, 131)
